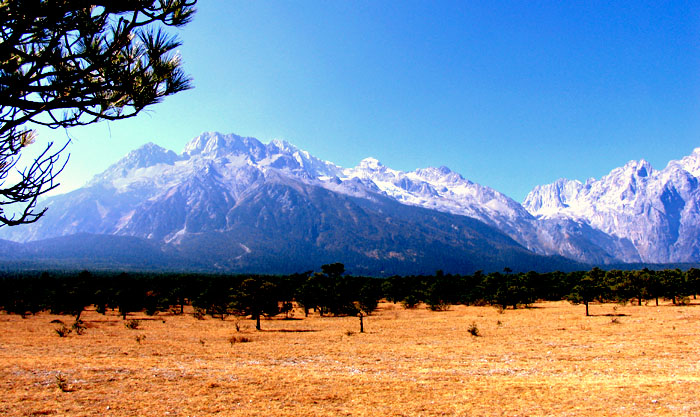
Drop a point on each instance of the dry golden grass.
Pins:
(549, 360)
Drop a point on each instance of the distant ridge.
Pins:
(232, 203)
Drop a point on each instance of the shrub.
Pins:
(79, 327)
(63, 331)
(62, 383)
(238, 339)
(198, 313)
(132, 324)
(410, 302)
(473, 330)
(438, 305)
(140, 338)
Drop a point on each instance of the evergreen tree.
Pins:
(256, 297)
(588, 289)
(66, 63)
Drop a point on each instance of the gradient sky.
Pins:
(509, 94)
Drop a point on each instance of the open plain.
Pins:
(545, 360)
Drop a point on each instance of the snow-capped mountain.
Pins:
(658, 211)
(444, 190)
(236, 203)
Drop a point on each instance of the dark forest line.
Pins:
(329, 291)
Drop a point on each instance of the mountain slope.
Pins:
(293, 223)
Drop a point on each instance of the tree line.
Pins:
(328, 291)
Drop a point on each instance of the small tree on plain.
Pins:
(588, 289)
(256, 298)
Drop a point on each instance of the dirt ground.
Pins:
(545, 360)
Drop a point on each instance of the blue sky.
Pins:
(509, 94)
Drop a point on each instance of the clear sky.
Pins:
(509, 94)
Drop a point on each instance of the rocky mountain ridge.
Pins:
(658, 211)
(207, 192)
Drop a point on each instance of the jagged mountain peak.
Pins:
(658, 212)
(370, 164)
(571, 198)
(145, 156)
(281, 146)
(640, 168)
(634, 213)
(690, 163)
(440, 174)
(547, 200)
(197, 144)
(277, 154)
(148, 155)
(632, 170)
(215, 145)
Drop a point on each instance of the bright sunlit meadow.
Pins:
(546, 360)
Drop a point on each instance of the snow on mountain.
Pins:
(446, 191)
(439, 189)
(235, 203)
(690, 163)
(633, 214)
(658, 211)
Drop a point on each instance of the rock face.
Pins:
(657, 211)
(234, 203)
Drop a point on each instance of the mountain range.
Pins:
(231, 203)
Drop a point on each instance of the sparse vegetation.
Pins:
(238, 339)
(61, 382)
(473, 330)
(79, 327)
(132, 324)
(533, 368)
(63, 331)
(410, 302)
(198, 313)
(549, 342)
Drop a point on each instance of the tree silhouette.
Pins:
(692, 278)
(256, 297)
(674, 284)
(588, 288)
(67, 63)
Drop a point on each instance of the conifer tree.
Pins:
(66, 63)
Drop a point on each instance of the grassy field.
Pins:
(547, 360)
